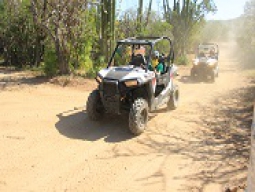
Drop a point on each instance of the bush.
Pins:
(96, 66)
(93, 71)
(50, 62)
(19, 35)
(182, 60)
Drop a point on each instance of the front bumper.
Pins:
(110, 95)
(203, 69)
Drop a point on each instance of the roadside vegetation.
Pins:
(73, 37)
(246, 37)
(77, 37)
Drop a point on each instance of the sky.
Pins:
(227, 9)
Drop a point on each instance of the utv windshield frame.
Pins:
(212, 45)
(142, 41)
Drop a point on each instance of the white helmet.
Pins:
(156, 54)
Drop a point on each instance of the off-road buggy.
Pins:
(127, 86)
(206, 63)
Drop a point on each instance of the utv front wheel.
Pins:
(94, 106)
(138, 116)
(174, 99)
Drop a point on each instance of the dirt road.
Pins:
(47, 142)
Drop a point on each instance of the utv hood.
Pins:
(126, 73)
(205, 60)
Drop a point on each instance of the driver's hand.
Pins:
(142, 66)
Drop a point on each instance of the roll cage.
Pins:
(142, 41)
(206, 47)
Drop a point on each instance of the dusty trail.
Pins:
(48, 144)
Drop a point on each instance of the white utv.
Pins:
(206, 63)
(127, 85)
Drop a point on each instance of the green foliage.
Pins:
(92, 72)
(80, 52)
(76, 27)
(185, 17)
(246, 36)
(159, 28)
(18, 34)
(182, 60)
(82, 37)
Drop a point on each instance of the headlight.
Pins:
(211, 64)
(131, 83)
(195, 61)
(99, 79)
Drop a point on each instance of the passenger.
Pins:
(156, 66)
(212, 53)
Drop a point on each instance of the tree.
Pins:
(185, 16)
(148, 13)
(127, 24)
(108, 12)
(64, 23)
(140, 16)
(246, 32)
(18, 34)
(157, 26)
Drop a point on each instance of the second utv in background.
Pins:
(205, 65)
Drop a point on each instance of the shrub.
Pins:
(50, 62)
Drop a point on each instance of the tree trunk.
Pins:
(112, 25)
(104, 28)
(107, 27)
(139, 16)
(149, 13)
(38, 52)
(61, 57)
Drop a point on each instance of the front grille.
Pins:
(110, 88)
(111, 96)
(202, 63)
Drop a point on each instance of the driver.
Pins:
(140, 51)
(138, 57)
(201, 54)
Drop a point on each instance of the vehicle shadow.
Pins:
(75, 124)
(186, 80)
(189, 80)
